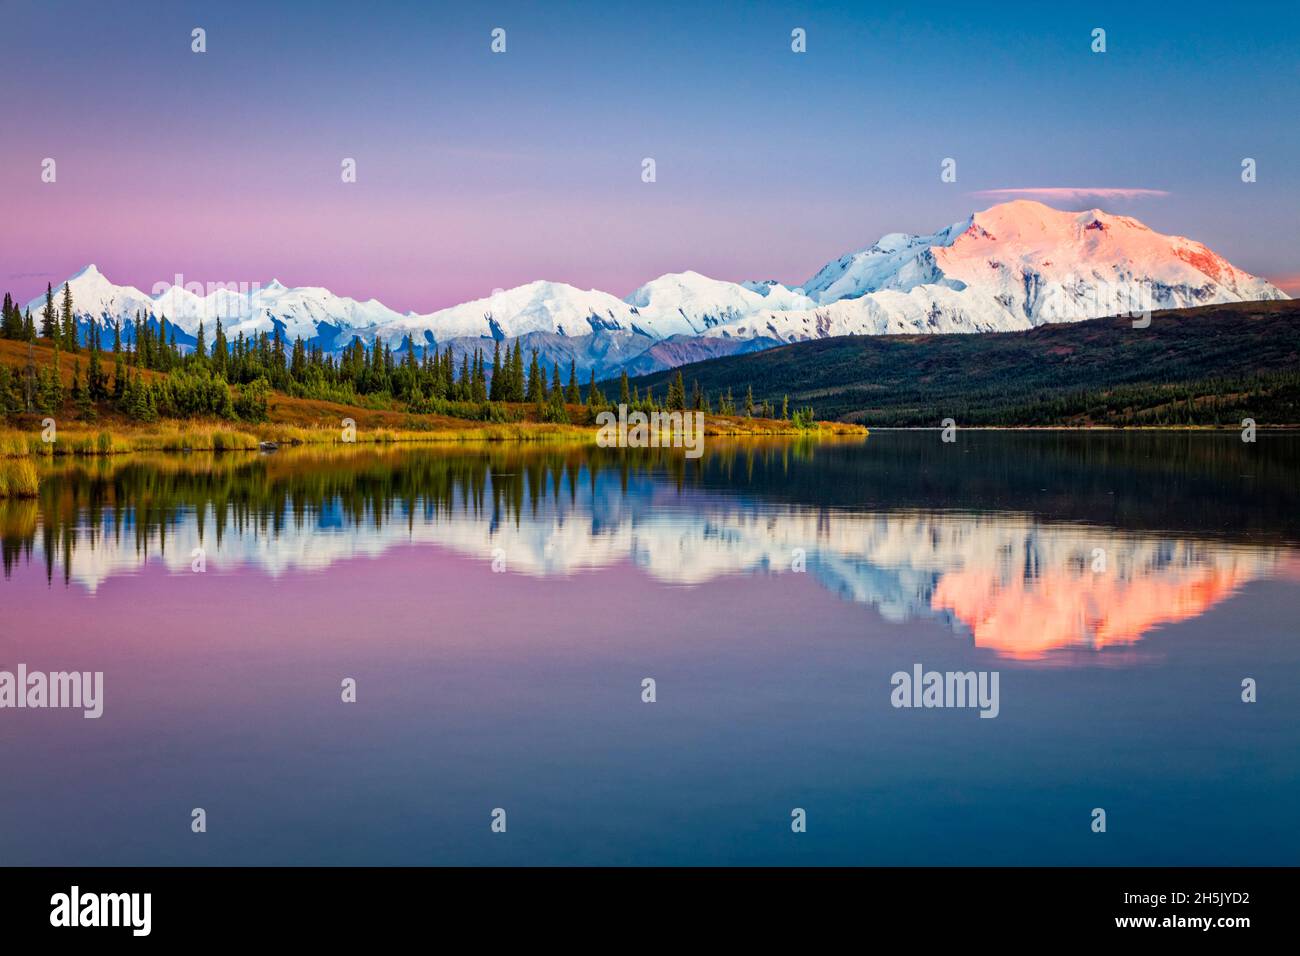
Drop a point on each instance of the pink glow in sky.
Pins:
(479, 171)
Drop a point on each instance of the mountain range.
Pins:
(1015, 266)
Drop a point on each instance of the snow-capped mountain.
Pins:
(687, 303)
(311, 313)
(95, 298)
(676, 304)
(896, 261)
(540, 306)
(1013, 266)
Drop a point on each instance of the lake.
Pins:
(499, 611)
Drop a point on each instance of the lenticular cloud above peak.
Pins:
(1070, 193)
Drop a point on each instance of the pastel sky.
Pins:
(479, 171)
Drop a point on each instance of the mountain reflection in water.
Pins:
(1025, 544)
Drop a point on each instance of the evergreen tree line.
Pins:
(197, 381)
(57, 326)
(184, 393)
(193, 387)
(700, 401)
(1222, 401)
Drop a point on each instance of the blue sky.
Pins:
(479, 170)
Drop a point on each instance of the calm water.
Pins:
(499, 609)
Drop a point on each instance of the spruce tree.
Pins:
(82, 395)
(298, 357)
(96, 381)
(69, 323)
(7, 403)
(480, 377)
(536, 389)
(161, 359)
(119, 372)
(139, 399)
(29, 380)
(448, 373)
(574, 395)
(495, 394)
(220, 353)
(677, 394)
(517, 374)
(50, 384)
(49, 329)
(44, 399)
(12, 326)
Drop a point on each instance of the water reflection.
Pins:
(889, 523)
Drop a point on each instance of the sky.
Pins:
(478, 170)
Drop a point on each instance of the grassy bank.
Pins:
(126, 438)
(18, 478)
(25, 459)
(85, 429)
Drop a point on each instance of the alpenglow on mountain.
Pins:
(1013, 266)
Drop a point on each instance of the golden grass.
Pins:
(199, 436)
(463, 430)
(14, 445)
(18, 478)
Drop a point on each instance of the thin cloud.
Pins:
(1070, 193)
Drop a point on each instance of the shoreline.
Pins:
(18, 443)
(88, 441)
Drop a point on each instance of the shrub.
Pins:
(496, 412)
(555, 413)
(253, 403)
(184, 394)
